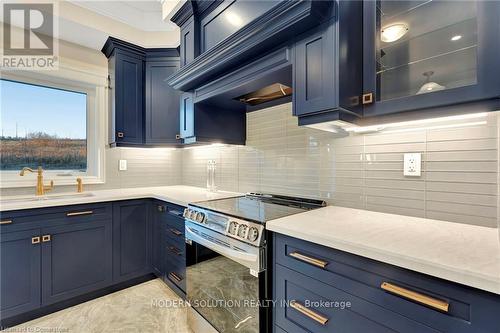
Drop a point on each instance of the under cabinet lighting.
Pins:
(386, 127)
(455, 38)
(477, 123)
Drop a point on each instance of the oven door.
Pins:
(220, 285)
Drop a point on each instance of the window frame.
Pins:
(95, 131)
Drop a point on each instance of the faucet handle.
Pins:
(79, 185)
(50, 187)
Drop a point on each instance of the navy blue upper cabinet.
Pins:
(186, 110)
(143, 107)
(127, 101)
(217, 36)
(202, 123)
(327, 81)
(131, 239)
(162, 103)
(20, 272)
(76, 259)
(189, 41)
(424, 54)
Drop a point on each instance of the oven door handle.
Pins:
(225, 251)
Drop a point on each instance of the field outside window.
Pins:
(53, 121)
(43, 126)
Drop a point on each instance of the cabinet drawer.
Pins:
(175, 234)
(170, 216)
(308, 305)
(417, 296)
(175, 272)
(42, 217)
(175, 250)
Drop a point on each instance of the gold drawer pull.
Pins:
(175, 276)
(86, 212)
(6, 222)
(35, 240)
(45, 238)
(175, 232)
(309, 260)
(417, 297)
(309, 313)
(175, 250)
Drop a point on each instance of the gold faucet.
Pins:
(40, 188)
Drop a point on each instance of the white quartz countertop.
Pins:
(180, 195)
(462, 253)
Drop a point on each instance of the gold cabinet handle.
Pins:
(367, 98)
(45, 238)
(177, 136)
(309, 260)
(175, 232)
(309, 313)
(174, 276)
(6, 222)
(175, 250)
(119, 134)
(35, 240)
(417, 297)
(86, 212)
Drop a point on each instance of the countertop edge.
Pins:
(107, 197)
(471, 280)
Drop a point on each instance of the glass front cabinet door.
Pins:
(424, 54)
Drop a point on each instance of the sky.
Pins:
(40, 109)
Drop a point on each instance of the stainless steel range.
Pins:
(227, 248)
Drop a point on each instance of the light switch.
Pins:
(122, 166)
(413, 164)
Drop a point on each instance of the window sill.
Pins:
(66, 181)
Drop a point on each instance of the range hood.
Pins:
(266, 94)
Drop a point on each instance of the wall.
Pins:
(146, 167)
(459, 180)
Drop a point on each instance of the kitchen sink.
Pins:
(45, 197)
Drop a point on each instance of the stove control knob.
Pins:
(242, 230)
(200, 217)
(253, 234)
(233, 227)
(186, 213)
(194, 216)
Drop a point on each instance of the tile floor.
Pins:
(142, 308)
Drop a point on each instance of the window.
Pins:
(52, 121)
(42, 126)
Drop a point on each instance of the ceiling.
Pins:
(90, 22)
(144, 15)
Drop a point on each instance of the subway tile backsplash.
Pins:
(459, 180)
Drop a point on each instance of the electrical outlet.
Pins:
(122, 166)
(413, 164)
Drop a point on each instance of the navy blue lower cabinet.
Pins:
(131, 239)
(19, 272)
(76, 259)
(157, 255)
(169, 247)
(316, 283)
